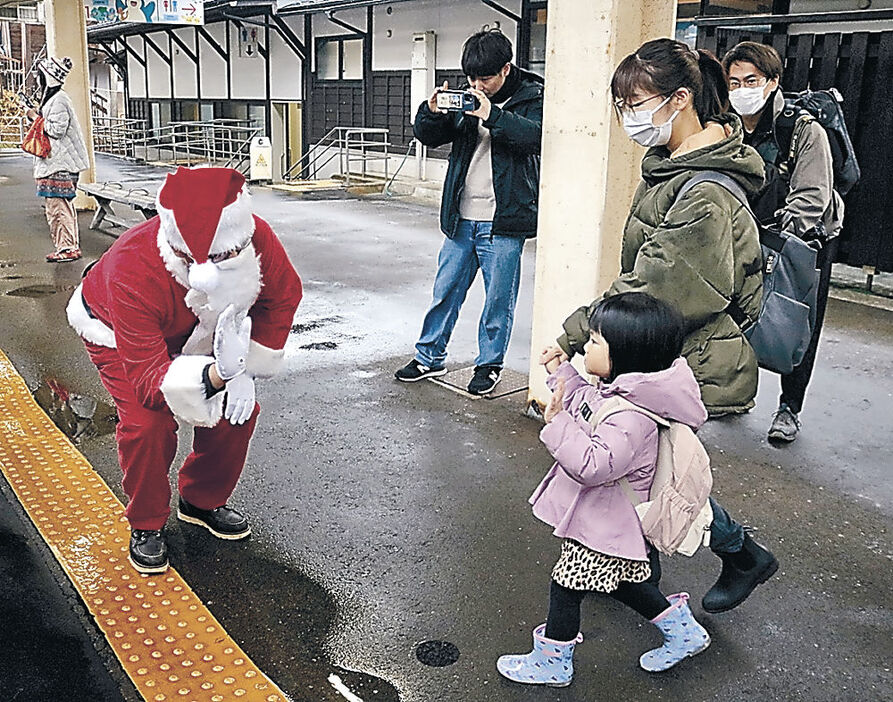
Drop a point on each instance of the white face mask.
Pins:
(748, 101)
(639, 126)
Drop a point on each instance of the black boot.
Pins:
(741, 573)
(148, 551)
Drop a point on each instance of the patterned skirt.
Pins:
(59, 184)
(581, 568)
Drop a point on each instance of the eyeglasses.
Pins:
(749, 82)
(622, 106)
(215, 257)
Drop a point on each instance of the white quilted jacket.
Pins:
(68, 151)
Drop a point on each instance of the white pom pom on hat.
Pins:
(204, 277)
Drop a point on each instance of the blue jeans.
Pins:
(726, 535)
(499, 258)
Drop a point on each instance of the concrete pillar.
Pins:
(590, 169)
(66, 28)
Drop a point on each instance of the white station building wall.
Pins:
(157, 68)
(286, 68)
(184, 68)
(214, 80)
(136, 74)
(452, 22)
(248, 77)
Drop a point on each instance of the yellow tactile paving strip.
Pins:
(167, 641)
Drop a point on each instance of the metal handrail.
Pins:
(342, 143)
(224, 141)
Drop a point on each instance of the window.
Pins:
(352, 59)
(339, 58)
(327, 60)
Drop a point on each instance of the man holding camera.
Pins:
(489, 203)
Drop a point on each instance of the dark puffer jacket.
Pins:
(698, 255)
(516, 133)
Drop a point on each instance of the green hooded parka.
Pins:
(699, 255)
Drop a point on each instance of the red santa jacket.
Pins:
(130, 300)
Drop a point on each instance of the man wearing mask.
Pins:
(489, 204)
(798, 198)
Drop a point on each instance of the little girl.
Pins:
(635, 346)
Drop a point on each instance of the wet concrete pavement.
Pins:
(387, 514)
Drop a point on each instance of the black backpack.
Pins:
(825, 107)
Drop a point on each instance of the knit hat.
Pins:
(205, 211)
(55, 69)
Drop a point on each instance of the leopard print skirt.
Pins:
(581, 568)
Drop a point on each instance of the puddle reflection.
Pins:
(78, 416)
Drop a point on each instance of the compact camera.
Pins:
(457, 101)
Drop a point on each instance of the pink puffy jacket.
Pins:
(579, 496)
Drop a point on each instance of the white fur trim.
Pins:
(264, 362)
(236, 225)
(88, 327)
(184, 392)
(175, 265)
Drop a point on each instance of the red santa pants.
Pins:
(147, 445)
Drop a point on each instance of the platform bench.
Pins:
(110, 193)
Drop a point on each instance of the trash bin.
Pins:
(261, 155)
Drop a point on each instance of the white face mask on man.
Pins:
(639, 126)
(748, 101)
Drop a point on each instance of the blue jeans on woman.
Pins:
(499, 258)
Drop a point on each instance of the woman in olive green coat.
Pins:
(700, 253)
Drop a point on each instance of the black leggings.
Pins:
(645, 598)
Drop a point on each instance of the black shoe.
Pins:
(148, 551)
(414, 371)
(484, 380)
(741, 573)
(223, 522)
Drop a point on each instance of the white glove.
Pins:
(231, 341)
(239, 399)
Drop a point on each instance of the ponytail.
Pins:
(663, 66)
(714, 97)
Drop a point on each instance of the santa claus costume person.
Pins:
(180, 316)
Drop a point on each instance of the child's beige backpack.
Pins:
(676, 518)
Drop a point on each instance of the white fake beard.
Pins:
(238, 283)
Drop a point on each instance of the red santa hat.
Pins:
(205, 211)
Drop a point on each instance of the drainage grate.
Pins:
(437, 653)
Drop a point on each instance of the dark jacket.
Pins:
(799, 191)
(515, 131)
(698, 255)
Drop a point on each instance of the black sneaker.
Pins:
(414, 371)
(148, 551)
(484, 380)
(785, 424)
(223, 522)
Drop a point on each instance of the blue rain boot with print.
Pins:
(550, 663)
(683, 636)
